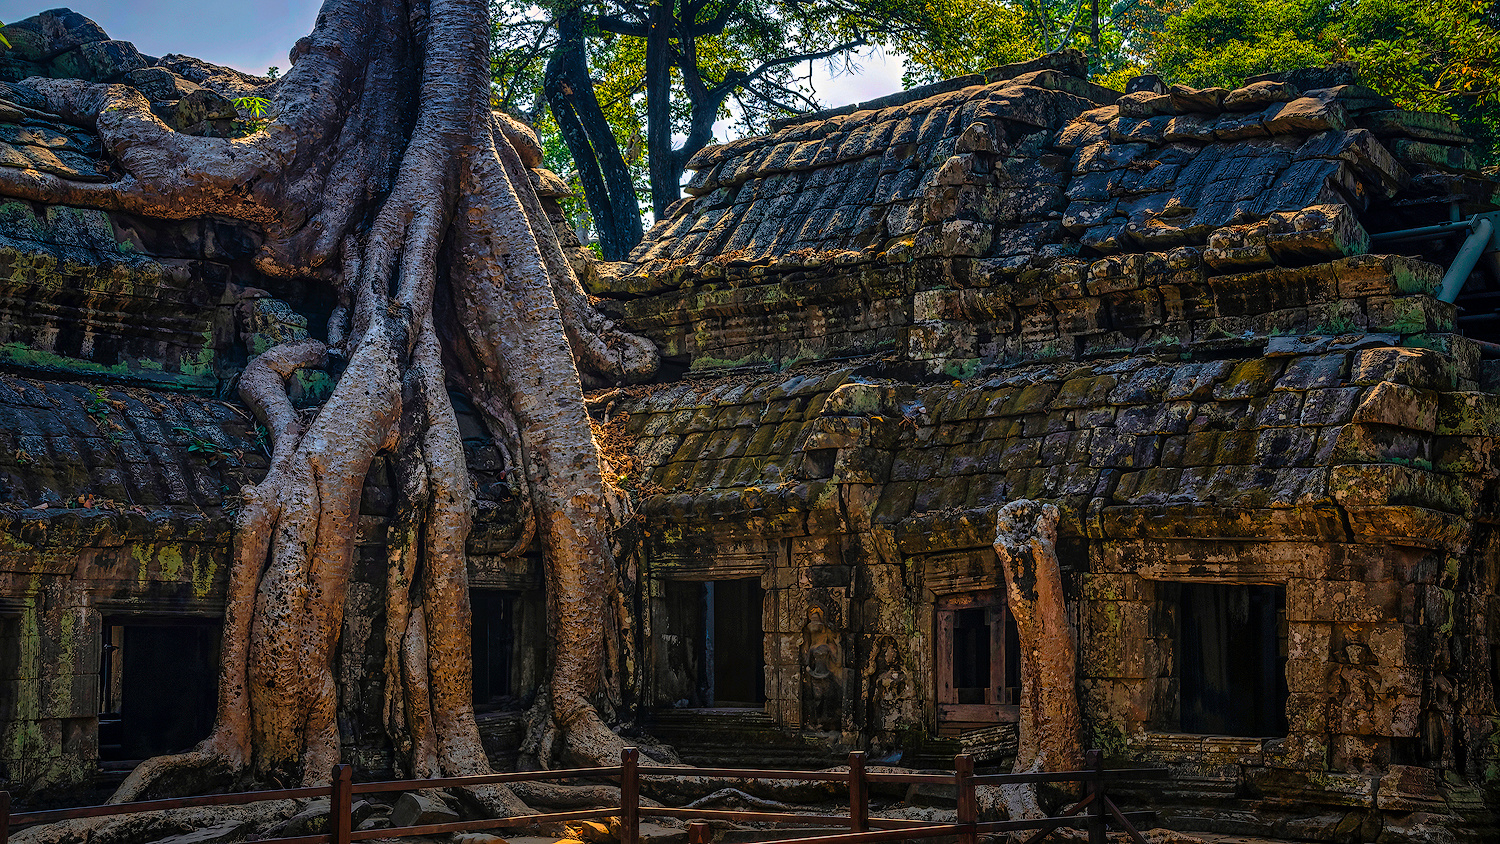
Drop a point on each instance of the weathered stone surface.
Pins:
(229, 832)
(412, 809)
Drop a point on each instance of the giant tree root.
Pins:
(154, 826)
(385, 176)
(1049, 740)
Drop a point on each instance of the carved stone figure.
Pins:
(890, 687)
(822, 661)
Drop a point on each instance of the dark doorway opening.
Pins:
(159, 686)
(711, 652)
(1231, 659)
(493, 639)
(736, 649)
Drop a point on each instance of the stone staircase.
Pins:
(739, 738)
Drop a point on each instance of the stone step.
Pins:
(739, 738)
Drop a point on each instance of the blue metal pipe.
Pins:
(1468, 255)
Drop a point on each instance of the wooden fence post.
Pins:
(699, 833)
(4, 817)
(1093, 760)
(341, 804)
(630, 796)
(968, 801)
(859, 793)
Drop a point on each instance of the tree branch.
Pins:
(714, 25)
(617, 25)
(734, 81)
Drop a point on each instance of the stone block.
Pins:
(1390, 484)
(1165, 418)
(1360, 754)
(1238, 248)
(1250, 378)
(1308, 643)
(1319, 233)
(1409, 525)
(1314, 372)
(1307, 713)
(1283, 408)
(1421, 368)
(1390, 403)
(1341, 601)
(1332, 406)
(1284, 447)
(1306, 115)
(1468, 414)
(1409, 788)
(1258, 95)
(1464, 455)
(1443, 156)
(1297, 752)
(1409, 314)
(1385, 275)
(1359, 443)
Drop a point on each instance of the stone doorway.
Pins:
(712, 653)
(1231, 658)
(158, 688)
(492, 638)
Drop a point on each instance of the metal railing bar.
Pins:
(746, 774)
(484, 779)
(483, 823)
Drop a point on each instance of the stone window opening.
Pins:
(978, 659)
(158, 685)
(492, 635)
(1230, 658)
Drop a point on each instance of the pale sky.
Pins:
(252, 35)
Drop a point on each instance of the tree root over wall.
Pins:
(385, 177)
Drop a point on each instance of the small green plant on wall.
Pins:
(260, 113)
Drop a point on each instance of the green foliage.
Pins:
(196, 444)
(257, 106)
(1431, 56)
(1427, 56)
(969, 36)
(1220, 42)
(759, 51)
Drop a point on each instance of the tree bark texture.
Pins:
(384, 175)
(1026, 543)
(607, 185)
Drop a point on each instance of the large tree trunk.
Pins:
(1026, 543)
(385, 175)
(607, 184)
(661, 28)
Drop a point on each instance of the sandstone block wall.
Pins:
(1165, 313)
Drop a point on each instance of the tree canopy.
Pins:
(627, 155)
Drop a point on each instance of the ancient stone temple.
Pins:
(1213, 327)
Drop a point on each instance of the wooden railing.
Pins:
(1095, 811)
